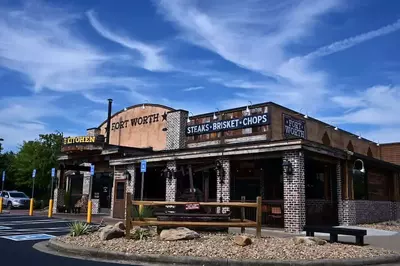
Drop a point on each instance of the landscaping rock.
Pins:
(111, 232)
(180, 233)
(120, 225)
(309, 240)
(242, 240)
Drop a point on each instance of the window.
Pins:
(18, 195)
(120, 190)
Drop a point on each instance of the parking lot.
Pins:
(18, 234)
(27, 228)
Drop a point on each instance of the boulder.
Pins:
(242, 240)
(111, 232)
(120, 225)
(180, 233)
(309, 240)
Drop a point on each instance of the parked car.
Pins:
(15, 199)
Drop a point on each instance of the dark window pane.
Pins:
(120, 190)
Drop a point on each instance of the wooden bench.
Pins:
(335, 231)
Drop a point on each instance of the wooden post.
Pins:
(242, 214)
(259, 217)
(128, 216)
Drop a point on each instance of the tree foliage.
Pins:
(40, 154)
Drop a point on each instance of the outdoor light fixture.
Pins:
(215, 116)
(127, 175)
(219, 169)
(306, 116)
(356, 171)
(287, 167)
(359, 137)
(167, 173)
(247, 108)
(336, 128)
(188, 118)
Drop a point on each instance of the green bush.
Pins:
(141, 234)
(146, 212)
(79, 228)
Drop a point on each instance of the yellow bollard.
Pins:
(89, 212)
(1, 204)
(31, 208)
(50, 208)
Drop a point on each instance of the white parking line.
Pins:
(34, 232)
(32, 222)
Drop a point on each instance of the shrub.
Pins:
(141, 234)
(79, 228)
(146, 212)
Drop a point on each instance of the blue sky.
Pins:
(335, 60)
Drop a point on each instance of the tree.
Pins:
(40, 154)
(6, 163)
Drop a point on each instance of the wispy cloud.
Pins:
(353, 41)
(39, 42)
(376, 106)
(254, 35)
(194, 88)
(153, 60)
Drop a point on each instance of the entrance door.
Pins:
(119, 199)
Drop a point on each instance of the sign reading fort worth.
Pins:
(293, 128)
(138, 121)
(231, 124)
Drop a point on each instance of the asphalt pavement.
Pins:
(18, 234)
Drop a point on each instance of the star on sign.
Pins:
(164, 116)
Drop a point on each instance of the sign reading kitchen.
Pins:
(293, 128)
(231, 124)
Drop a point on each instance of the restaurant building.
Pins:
(301, 167)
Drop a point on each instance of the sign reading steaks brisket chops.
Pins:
(231, 124)
(293, 128)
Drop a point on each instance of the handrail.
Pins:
(217, 204)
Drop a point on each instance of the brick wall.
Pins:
(176, 126)
(397, 210)
(391, 152)
(294, 193)
(223, 189)
(95, 206)
(368, 211)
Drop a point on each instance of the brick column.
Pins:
(86, 183)
(339, 192)
(170, 191)
(294, 193)
(223, 189)
(58, 193)
(130, 185)
(176, 126)
(349, 212)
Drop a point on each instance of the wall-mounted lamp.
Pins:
(188, 118)
(167, 173)
(143, 104)
(377, 144)
(336, 128)
(127, 175)
(247, 108)
(219, 169)
(125, 108)
(215, 116)
(362, 170)
(287, 167)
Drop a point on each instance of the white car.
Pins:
(15, 199)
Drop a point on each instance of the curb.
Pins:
(67, 249)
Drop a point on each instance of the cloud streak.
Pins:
(353, 41)
(153, 60)
(193, 88)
